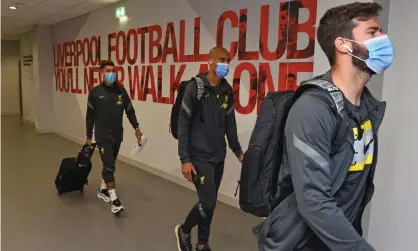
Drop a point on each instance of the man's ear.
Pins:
(342, 46)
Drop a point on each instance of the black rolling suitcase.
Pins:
(73, 172)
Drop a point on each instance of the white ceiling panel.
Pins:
(22, 7)
(31, 12)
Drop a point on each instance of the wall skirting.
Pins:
(42, 130)
(29, 122)
(7, 113)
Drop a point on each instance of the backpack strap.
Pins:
(337, 96)
(332, 90)
(200, 88)
(201, 94)
(340, 135)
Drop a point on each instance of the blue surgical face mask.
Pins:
(222, 69)
(110, 77)
(381, 52)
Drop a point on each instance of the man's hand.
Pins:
(138, 135)
(188, 170)
(241, 158)
(89, 142)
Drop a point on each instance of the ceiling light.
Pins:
(12, 7)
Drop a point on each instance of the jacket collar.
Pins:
(206, 81)
(375, 107)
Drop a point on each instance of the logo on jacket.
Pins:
(119, 100)
(225, 104)
(202, 180)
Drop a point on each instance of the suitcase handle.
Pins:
(93, 145)
(92, 148)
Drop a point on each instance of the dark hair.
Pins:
(340, 22)
(292, 7)
(106, 63)
(291, 75)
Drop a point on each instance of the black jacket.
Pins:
(105, 106)
(205, 137)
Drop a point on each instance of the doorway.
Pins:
(10, 86)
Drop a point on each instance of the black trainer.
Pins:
(205, 248)
(184, 242)
(103, 194)
(117, 206)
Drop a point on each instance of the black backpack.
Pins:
(175, 110)
(262, 161)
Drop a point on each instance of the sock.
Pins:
(112, 194)
(103, 185)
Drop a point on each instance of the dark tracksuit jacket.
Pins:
(204, 139)
(330, 193)
(105, 106)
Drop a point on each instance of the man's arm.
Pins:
(91, 105)
(129, 109)
(231, 127)
(309, 131)
(185, 122)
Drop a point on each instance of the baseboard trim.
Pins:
(37, 129)
(69, 137)
(6, 113)
(42, 130)
(29, 122)
(168, 176)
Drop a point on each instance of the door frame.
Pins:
(20, 90)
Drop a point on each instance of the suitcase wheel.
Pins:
(82, 189)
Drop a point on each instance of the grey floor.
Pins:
(35, 218)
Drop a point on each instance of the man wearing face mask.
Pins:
(105, 106)
(202, 146)
(332, 189)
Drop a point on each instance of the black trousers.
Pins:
(108, 152)
(207, 183)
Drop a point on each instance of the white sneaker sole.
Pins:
(116, 210)
(103, 197)
(176, 232)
